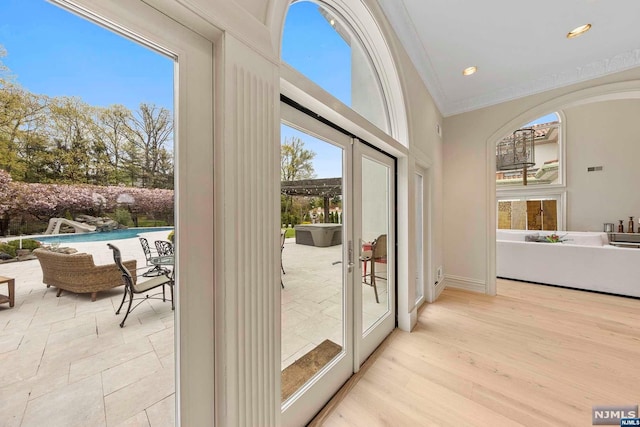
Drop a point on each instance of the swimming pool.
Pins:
(125, 233)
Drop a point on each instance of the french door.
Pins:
(338, 281)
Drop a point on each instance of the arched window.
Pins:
(320, 43)
(543, 156)
(529, 196)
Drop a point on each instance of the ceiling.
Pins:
(520, 47)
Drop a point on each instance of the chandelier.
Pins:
(517, 152)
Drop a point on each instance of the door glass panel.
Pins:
(375, 231)
(313, 291)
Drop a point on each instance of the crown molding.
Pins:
(410, 39)
(620, 62)
(409, 36)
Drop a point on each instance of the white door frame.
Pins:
(193, 154)
(366, 342)
(310, 398)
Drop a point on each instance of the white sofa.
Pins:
(584, 261)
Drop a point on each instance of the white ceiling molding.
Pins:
(397, 12)
(517, 51)
(620, 62)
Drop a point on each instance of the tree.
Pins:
(5, 76)
(149, 131)
(44, 201)
(22, 116)
(295, 164)
(110, 130)
(65, 140)
(6, 195)
(295, 160)
(70, 126)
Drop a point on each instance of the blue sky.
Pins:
(552, 117)
(315, 49)
(53, 52)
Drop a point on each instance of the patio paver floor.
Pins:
(66, 362)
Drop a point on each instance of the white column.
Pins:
(247, 196)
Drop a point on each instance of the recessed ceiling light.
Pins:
(332, 22)
(578, 31)
(469, 70)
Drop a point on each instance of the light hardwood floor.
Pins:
(534, 356)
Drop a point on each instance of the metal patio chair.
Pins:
(133, 287)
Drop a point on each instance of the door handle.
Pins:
(350, 256)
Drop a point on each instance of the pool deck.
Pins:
(66, 362)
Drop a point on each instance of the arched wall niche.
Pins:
(606, 92)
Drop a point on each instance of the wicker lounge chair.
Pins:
(78, 273)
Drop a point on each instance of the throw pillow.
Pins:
(531, 237)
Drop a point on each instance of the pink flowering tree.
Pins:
(45, 201)
(6, 197)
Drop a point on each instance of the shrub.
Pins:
(26, 244)
(143, 221)
(8, 249)
(122, 216)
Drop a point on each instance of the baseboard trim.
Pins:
(465, 283)
(439, 288)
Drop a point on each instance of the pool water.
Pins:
(125, 233)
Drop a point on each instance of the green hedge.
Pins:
(11, 247)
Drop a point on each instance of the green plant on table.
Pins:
(554, 238)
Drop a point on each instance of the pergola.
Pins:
(326, 188)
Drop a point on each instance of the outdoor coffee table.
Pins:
(11, 283)
(162, 260)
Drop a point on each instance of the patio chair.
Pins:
(378, 253)
(155, 270)
(142, 287)
(164, 247)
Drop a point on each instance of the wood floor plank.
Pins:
(532, 356)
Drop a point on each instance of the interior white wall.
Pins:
(469, 185)
(602, 134)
